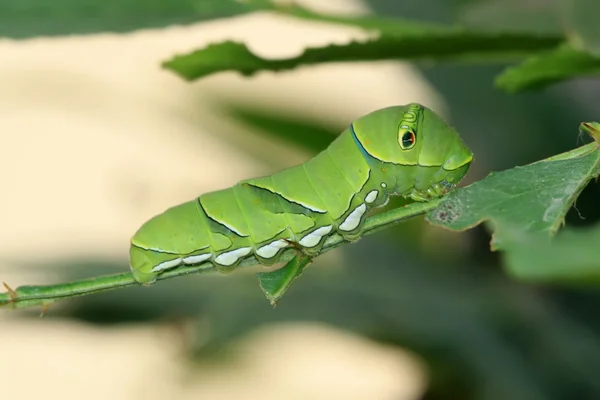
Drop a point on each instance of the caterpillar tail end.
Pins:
(141, 266)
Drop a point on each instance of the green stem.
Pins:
(28, 296)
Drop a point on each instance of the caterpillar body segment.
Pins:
(401, 150)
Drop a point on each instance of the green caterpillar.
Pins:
(400, 150)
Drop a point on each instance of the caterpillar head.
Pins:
(413, 135)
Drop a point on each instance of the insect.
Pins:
(400, 150)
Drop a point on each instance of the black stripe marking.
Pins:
(286, 199)
(220, 223)
(168, 252)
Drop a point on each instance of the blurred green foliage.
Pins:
(571, 257)
(547, 68)
(483, 334)
(397, 39)
(30, 18)
(425, 45)
(558, 59)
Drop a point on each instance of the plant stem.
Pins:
(28, 296)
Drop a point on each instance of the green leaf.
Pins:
(546, 68)
(433, 46)
(525, 207)
(573, 255)
(274, 284)
(521, 201)
(398, 39)
(30, 18)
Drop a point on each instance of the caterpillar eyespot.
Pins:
(408, 140)
(297, 208)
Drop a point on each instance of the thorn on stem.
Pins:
(13, 295)
(45, 308)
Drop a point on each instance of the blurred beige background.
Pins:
(95, 138)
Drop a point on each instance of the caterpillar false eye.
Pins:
(297, 208)
(408, 140)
